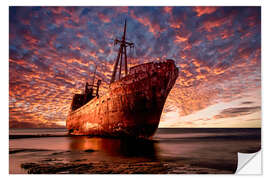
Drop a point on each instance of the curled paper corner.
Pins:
(249, 163)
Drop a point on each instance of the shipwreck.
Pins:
(132, 105)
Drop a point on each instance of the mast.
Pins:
(122, 53)
(94, 75)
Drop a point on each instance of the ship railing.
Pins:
(148, 66)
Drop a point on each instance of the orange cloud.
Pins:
(104, 18)
(179, 38)
(153, 28)
(168, 9)
(213, 22)
(122, 9)
(201, 10)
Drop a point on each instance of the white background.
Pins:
(4, 25)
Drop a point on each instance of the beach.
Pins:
(170, 151)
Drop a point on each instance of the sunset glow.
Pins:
(53, 52)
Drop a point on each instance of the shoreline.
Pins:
(21, 136)
(236, 137)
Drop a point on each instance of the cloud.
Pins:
(239, 111)
(201, 10)
(247, 102)
(24, 124)
(52, 49)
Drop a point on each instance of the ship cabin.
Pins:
(90, 92)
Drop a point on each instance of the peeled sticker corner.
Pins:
(249, 163)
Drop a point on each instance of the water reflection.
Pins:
(115, 147)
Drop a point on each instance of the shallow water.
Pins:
(213, 148)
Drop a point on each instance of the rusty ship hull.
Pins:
(131, 107)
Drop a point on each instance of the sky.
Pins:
(53, 52)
